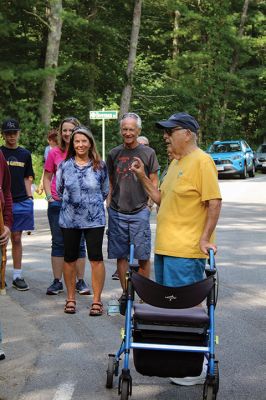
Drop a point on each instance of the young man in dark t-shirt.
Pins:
(21, 171)
(129, 214)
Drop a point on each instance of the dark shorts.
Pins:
(94, 241)
(124, 229)
(178, 271)
(23, 216)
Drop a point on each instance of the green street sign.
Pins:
(103, 115)
(109, 114)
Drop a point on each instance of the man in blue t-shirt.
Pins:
(21, 171)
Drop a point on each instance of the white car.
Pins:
(261, 158)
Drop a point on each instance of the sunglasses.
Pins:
(80, 129)
(169, 131)
(71, 120)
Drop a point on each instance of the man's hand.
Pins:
(205, 246)
(4, 237)
(149, 183)
(138, 168)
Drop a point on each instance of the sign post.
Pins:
(103, 115)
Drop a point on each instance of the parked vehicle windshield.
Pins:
(262, 148)
(224, 148)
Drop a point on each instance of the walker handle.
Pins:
(131, 253)
(211, 259)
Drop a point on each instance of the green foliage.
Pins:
(37, 162)
(194, 76)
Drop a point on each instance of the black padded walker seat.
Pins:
(195, 316)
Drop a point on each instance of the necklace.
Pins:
(82, 163)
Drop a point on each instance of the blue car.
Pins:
(233, 157)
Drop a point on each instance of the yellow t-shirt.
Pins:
(182, 214)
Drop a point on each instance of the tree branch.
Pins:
(146, 96)
(39, 18)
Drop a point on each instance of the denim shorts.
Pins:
(178, 271)
(53, 212)
(23, 216)
(124, 229)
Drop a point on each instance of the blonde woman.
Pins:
(54, 158)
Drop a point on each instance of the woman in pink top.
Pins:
(55, 156)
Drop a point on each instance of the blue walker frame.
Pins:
(211, 385)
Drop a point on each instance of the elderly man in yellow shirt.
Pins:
(189, 202)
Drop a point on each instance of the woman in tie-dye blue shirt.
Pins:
(83, 191)
(82, 183)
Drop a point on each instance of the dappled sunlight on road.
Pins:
(238, 191)
(72, 346)
(241, 226)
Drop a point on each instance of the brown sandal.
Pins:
(70, 309)
(96, 309)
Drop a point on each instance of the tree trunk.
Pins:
(235, 60)
(51, 60)
(127, 91)
(175, 34)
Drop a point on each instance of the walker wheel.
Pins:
(217, 378)
(208, 392)
(211, 387)
(125, 389)
(110, 371)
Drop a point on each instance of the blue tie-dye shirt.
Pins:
(83, 192)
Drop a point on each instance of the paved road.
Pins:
(53, 356)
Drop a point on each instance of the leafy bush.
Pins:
(37, 161)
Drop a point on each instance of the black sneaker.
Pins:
(115, 276)
(20, 284)
(82, 287)
(2, 355)
(55, 288)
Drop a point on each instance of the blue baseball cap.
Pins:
(181, 119)
(10, 125)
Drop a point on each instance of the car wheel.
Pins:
(244, 173)
(252, 172)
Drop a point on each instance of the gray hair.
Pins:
(143, 140)
(194, 137)
(134, 116)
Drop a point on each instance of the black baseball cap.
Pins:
(181, 119)
(10, 125)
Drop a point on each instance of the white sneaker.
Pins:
(192, 380)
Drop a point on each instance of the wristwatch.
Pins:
(48, 197)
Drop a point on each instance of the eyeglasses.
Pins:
(130, 115)
(78, 129)
(169, 131)
(81, 129)
(71, 120)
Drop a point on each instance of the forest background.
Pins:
(153, 57)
